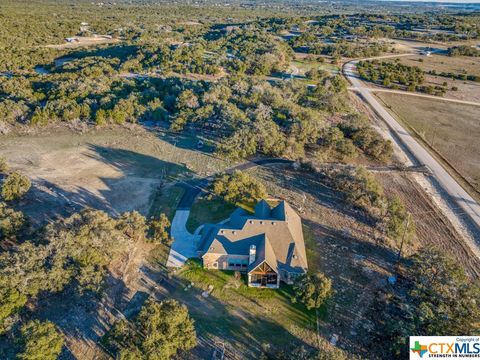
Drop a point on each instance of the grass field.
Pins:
(256, 317)
(165, 200)
(304, 65)
(443, 63)
(452, 129)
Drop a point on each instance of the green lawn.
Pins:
(311, 247)
(306, 65)
(165, 200)
(158, 256)
(208, 211)
(247, 317)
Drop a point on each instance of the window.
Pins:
(215, 265)
(231, 264)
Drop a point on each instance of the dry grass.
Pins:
(112, 169)
(248, 319)
(443, 63)
(452, 129)
(84, 41)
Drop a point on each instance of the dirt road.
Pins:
(452, 189)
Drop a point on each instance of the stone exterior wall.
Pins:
(221, 261)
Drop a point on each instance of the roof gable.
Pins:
(264, 254)
(280, 236)
(262, 209)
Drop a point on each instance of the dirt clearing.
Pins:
(80, 41)
(111, 169)
(433, 228)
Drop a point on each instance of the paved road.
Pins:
(185, 244)
(375, 90)
(451, 187)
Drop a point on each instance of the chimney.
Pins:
(252, 253)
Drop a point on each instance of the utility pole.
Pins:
(407, 224)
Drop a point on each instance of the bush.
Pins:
(238, 187)
(3, 165)
(372, 144)
(133, 225)
(360, 187)
(41, 341)
(346, 148)
(357, 128)
(159, 331)
(11, 221)
(399, 222)
(74, 250)
(436, 298)
(313, 290)
(159, 229)
(15, 186)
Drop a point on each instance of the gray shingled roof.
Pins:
(281, 226)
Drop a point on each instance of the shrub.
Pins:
(313, 290)
(133, 225)
(398, 221)
(159, 331)
(360, 187)
(238, 187)
(11, 221)
(435, 298)
(15, 186)
(159, 229)
(3, 165)
(41, 341)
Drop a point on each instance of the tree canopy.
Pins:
(238, 187)
(160, 330)
(313, 289)
(15, 186)
(73, 251)
(435, 298)
(41, 341)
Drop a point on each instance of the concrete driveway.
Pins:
(184, 244)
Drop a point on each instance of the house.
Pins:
(268, 245)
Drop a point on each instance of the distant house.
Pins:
(267, 245)
(84, 27)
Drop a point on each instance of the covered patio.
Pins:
(263, 276)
